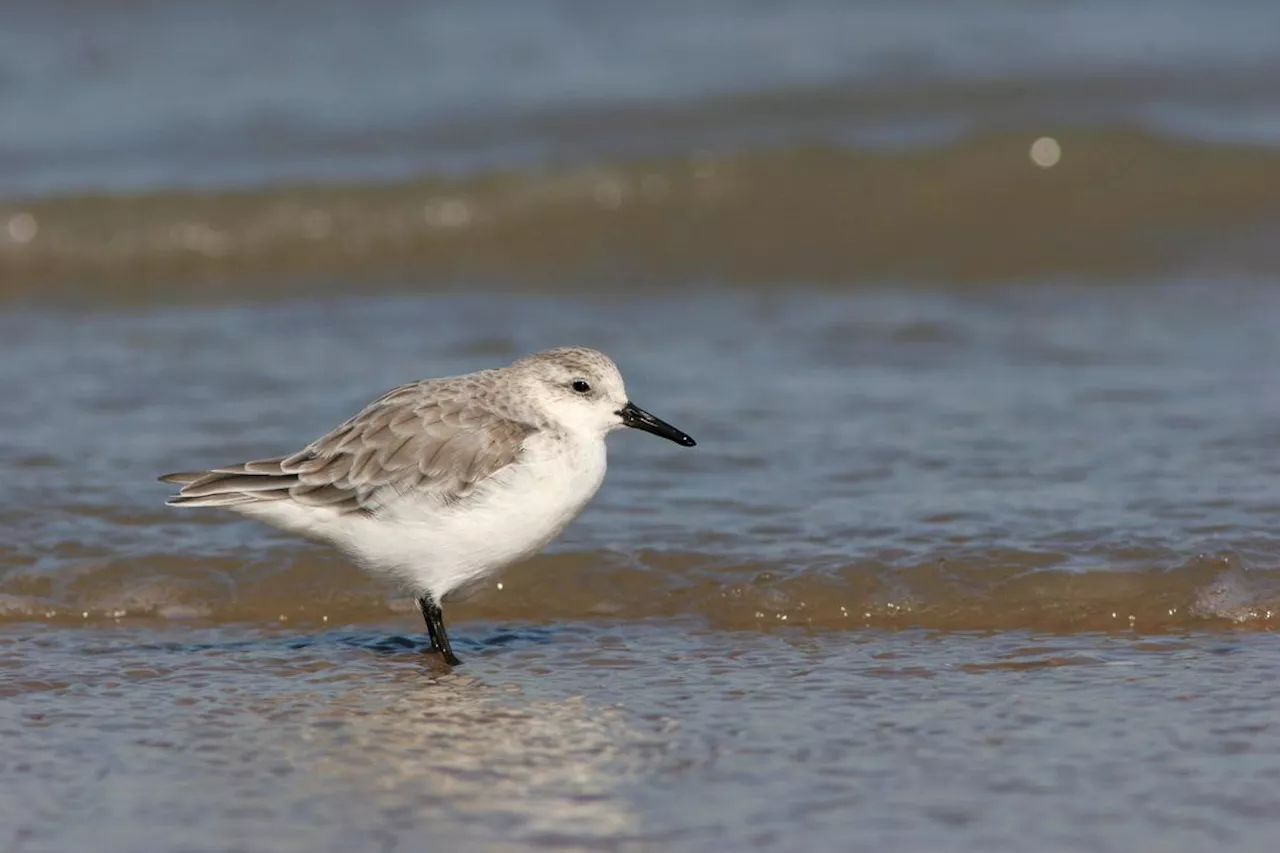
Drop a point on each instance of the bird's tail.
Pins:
(252, 482)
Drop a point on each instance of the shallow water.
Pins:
(660, 735)
(176, 149)
(977, 551)
(1039, 457)
(116, 95)
(955, 571)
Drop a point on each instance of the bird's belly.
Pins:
(441, 548)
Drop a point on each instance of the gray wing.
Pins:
(428, 438)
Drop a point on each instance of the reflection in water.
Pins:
(481, 757)
(347, 737)
(666, 737)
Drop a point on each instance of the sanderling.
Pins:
(441, 483)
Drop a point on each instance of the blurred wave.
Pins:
(116, 97)
(983, 589)
(1052, 457)
(1110, 204)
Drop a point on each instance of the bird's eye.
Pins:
(580, 386)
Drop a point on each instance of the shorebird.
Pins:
(443, 482)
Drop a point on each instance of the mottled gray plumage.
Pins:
(436, 438)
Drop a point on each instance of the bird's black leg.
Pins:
(425, 605)
(434, 617)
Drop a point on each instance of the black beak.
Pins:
(637, 418)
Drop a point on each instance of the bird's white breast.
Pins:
(515, 513)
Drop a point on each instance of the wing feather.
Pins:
(429, 438)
